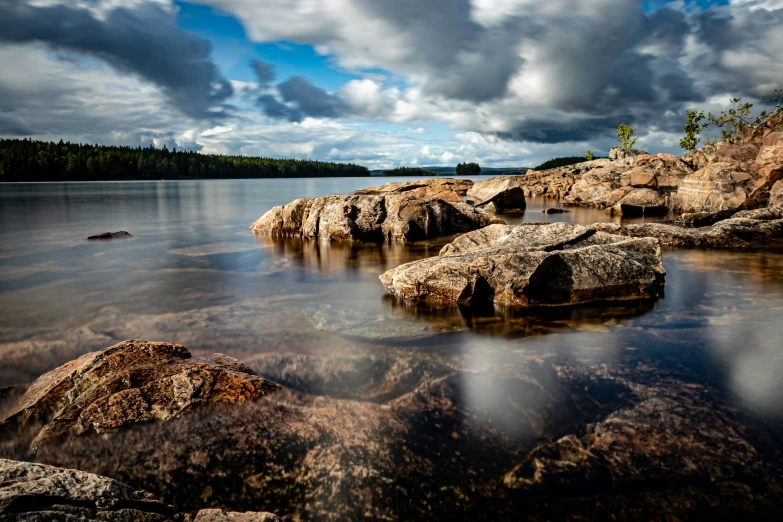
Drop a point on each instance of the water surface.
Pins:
(315, 317)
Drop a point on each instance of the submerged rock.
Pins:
(499, 194)
(393, 217)
(111, 235)
(533, 265)
(736, 232)
(130, 382)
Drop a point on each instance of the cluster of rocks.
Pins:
(719, 177)
(393, 212)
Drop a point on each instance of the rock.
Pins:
(639, 178)
(776, 194)
(619, 153)
(740, 152)
(533, 265)
(771, 149)
(553, 210)
(111, 235)
(724, 186)
(218, 515)
(704, 219)
(419, 188)
(503, 192)
(393, 217)
(130, 382)
(729, 233)
(642, 202)
(36, 492)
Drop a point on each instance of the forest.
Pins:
(29, 160)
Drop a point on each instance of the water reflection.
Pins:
(439, 397)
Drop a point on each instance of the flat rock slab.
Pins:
(534, 265)
(111, 235)
(419, 188)
(130, 382)
(391, 217)
(736, 232)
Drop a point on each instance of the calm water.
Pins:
(194, 274)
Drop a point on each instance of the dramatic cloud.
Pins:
(540, 70)
(142, 40)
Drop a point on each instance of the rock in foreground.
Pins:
(33, 492)
(131, 382)
(392, 217)
(534, 265)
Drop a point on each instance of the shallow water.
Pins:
(315, 318)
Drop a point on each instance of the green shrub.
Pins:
(739, 116)
(692, 129)
(625, 136)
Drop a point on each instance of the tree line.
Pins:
(30, 160)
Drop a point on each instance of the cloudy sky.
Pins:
(379, 82)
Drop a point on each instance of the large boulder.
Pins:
(392, 217)
(776, 194)
(499, 194)
(128, 383)
(533, 265)
(32, 492)
(736, 232)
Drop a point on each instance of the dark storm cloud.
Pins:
(303, 98)
(144, 41)
(11, 125)
(265, 72)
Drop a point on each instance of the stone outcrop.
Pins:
(776, 194)
(736, 232)
(431, 187)
(619, 153)
(392, 217)
(128, 383)
(719, 177)
(111, 235)
(499, 194)
(533, 265)
(32, 492)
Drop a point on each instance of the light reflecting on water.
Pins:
(315, 317)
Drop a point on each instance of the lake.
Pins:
(315, 318)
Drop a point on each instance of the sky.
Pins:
(381, 83)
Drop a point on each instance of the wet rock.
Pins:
(533, 265)
(669, 435)
(36, 492)
(111, 235)
(704, 219)
(554, 210)
(504, 193)
(419, 188)
(393, 217)
(728, 233)
(128, 383)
